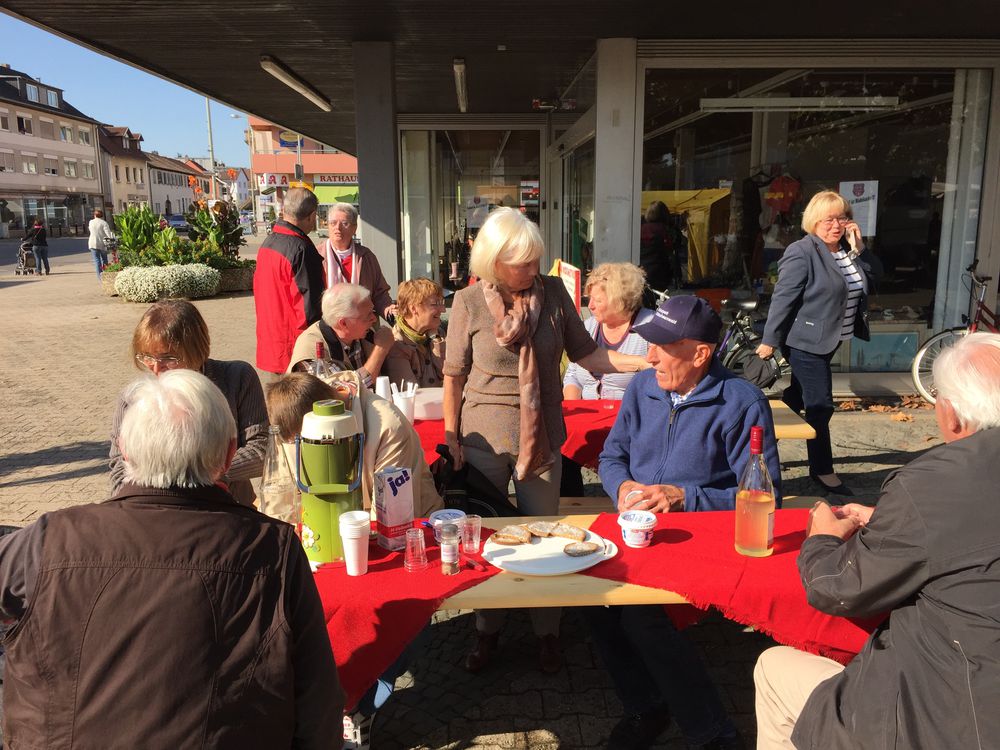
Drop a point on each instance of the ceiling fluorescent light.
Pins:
(458, 64)
(287, 77)
(799, 104)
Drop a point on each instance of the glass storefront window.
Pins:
(579, 170)
(451, 180)
(730, 159)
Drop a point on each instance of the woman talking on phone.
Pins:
(819, 301)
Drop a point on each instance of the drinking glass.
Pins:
(415, 557)
(472, 526)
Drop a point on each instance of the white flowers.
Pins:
(152, 283)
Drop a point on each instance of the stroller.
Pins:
(25, 260)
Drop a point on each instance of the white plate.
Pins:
(544, 556)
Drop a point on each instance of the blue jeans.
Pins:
(811, 391)
(382, 690)
(100, 260)
(41, 253)
(653, 665)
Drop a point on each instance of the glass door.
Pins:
(451, 180)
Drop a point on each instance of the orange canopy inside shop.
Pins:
(707, 217)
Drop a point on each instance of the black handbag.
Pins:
(763, 373)
(468, 490)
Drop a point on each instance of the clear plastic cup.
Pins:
(472, 526)
(415, 557)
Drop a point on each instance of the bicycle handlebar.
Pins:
(976, 277)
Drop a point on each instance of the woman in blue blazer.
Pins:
(819, 301)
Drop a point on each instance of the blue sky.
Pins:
(170, 118)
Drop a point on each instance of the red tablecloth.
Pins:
(372, 618)
(587, 425)
(693, 555)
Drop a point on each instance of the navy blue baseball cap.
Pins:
(682, 317)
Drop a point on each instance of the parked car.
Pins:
(177, 221)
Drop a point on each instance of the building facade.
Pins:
(275, 155)
(172, 184)
(126, 172)
(49, 159)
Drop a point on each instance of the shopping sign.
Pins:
(571, 277)
(336, 179)
(266, 180)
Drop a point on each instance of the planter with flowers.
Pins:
(146, 242)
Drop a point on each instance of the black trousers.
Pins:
(811, 392)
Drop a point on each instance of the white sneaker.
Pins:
(358, 731)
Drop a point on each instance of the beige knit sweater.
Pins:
(490, 411)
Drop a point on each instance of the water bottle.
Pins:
(279, 497)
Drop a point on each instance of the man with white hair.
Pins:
(170, 616)
(929, 555)
(349, 332)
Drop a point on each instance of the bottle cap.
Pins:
(319, 350)
(756, 440)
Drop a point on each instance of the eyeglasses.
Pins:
(436, 304)
(341, 224)
(149, 360)
(831, 220)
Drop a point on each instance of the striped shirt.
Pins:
(855, 288)
(613, 385)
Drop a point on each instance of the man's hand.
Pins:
(861, 513)
(823, 520)
(383, 338)
(390, 311)
(657, 498)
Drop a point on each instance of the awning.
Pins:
(330, 194)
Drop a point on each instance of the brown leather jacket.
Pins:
(165, 619)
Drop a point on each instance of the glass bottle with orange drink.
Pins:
(755, 503)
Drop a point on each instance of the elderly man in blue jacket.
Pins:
(680, 443)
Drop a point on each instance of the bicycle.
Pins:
(922, 369)
(741, 339)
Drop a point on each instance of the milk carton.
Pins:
(393, 506)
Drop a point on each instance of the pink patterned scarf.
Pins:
(515, 318)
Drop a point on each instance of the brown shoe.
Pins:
(549, 654)
(479, 657)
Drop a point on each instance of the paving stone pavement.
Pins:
(64, 359)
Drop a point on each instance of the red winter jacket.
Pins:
(287, 287)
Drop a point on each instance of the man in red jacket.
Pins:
(288, 282)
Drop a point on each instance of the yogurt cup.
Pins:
(637, 527)
(439, 518)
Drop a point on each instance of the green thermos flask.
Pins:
(330, 453)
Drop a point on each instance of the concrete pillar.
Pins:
(616, 211)
(378, 184)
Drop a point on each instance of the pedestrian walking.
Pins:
(39, 245)
(99, 232)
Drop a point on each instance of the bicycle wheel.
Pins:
(922, 368)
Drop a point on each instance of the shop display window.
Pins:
(730, 159)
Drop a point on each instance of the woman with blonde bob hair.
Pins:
(819, 301)
(614, 293)
(502, 394)
(173, 335)
(417, 354)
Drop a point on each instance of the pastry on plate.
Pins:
(541, 528)
(582, 549)
(511, 535)
(569, 532)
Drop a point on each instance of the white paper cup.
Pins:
(355, 553)
(637, 527)
(405, 405)
(382, 387)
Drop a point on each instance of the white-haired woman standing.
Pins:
(614, 291)
(502, 395)
(345, 260)
(819, 302)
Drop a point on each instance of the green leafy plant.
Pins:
(149, 284)
(219, 224)
(137, 227)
